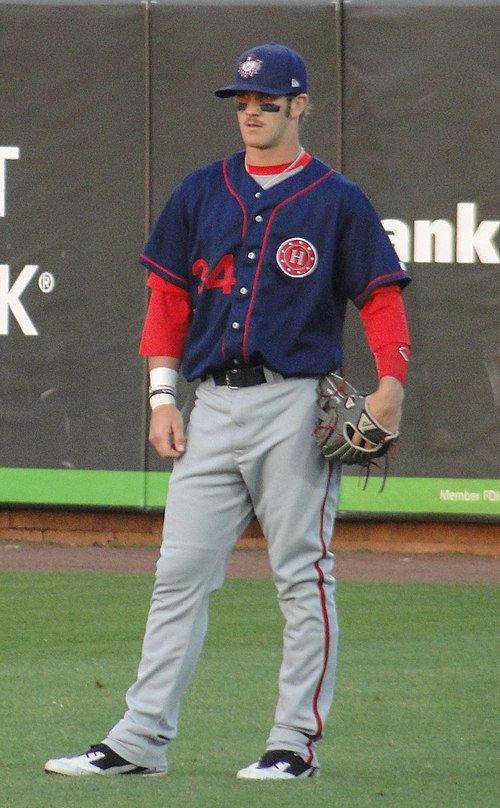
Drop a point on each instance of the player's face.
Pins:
(267, 121)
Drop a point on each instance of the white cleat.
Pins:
(99, 759)
(278, 764)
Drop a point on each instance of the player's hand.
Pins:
(166, 431)
(386, 403)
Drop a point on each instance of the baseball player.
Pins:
(252, 263)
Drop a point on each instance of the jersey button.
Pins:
(243, 290)
(259, 218)
(235, 326)
(251, 255)
(258, 194)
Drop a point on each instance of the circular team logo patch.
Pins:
(297, 257)
(250, 67)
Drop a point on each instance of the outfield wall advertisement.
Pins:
(106, 106)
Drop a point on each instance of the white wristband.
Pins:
(159, 397)
(163, 377)
(163, 384)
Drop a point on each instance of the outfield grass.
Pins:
(414, 725)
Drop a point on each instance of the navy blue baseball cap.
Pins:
(272, 69)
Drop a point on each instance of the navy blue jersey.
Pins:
(270, 271)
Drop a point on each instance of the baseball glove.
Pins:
(342, 414)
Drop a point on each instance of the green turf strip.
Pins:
(414, 725)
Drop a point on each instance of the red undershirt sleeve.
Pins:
(167, 319)
(386, 329)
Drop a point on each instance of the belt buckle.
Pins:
(227, 376)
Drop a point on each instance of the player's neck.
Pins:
(272, 156)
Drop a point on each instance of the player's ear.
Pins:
(299, 105)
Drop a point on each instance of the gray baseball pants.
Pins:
(248, 450)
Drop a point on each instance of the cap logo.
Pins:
(250, 67)
(297, 257)
(295, 83)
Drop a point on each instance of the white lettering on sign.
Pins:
(10, 299)
(465, 242)
(6, 153)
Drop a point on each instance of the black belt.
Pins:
(239, 377)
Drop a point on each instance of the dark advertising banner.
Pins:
(71, 223)
(107, 105)
(420, 110)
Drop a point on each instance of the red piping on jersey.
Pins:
(381, 279)
(233, 193)
(263, 251)
(165, 271)
(326, 622)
